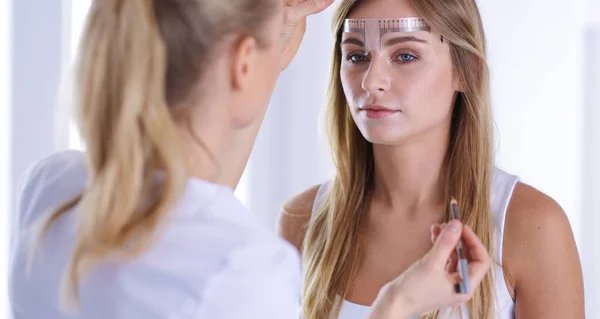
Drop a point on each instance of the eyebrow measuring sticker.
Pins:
(372, 31)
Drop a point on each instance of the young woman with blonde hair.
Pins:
(144, 223)
(410, 127)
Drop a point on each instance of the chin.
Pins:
(385, 137)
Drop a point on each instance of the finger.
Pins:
(445, 244)
(454, 277)
(477, 250)
(305, 8)
(481, 261)
(477, 272)
(453, 262)
(435, 232)
(459, 298)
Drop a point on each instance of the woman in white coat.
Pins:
(144, 223)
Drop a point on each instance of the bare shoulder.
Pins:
(295, 215)
(533, 214)
(530, 209)
(533, 221)
(540, 255)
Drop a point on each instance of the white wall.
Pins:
(38, 56)
(590, 236)
(5, 130)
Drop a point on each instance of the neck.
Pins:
(408, 176)
(236, 157)
(216, 153)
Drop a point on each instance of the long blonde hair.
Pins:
(331, 248)
(139, 59)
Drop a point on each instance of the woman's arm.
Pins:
(541, 258)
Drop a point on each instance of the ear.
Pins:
(243, 60)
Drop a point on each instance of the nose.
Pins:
(376, 79)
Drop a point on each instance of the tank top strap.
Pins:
(503, 185)
(321, 195)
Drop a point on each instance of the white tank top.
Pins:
(503, 185)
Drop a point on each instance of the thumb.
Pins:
(435, 232)
(307, 7)
(445, 244)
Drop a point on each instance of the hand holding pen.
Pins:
(429, 284)
(458, 263)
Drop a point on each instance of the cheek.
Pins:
(429, 94)
(351, 84)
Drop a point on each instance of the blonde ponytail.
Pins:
(139, 59)
(124, 119)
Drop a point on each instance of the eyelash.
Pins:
(412, 56)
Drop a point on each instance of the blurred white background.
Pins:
(545, 63)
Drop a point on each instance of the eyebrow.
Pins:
(353, 41)
(389, 42)
(398, 40)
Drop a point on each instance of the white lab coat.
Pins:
(212, 259)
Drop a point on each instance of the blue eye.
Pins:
(356, 57)
(406, 57)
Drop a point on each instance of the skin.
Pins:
(409, 149)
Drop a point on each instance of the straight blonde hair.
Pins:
(140, 59)
(331, 248)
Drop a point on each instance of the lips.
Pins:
(377, 111)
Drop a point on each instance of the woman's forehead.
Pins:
(383, 9)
